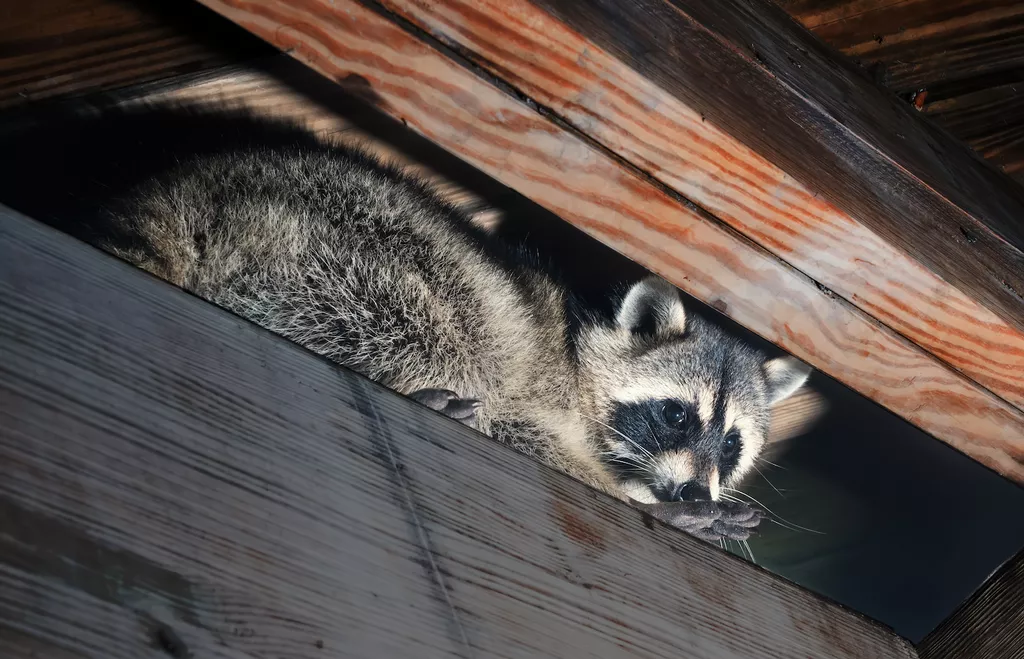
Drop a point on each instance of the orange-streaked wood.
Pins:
(507, 139)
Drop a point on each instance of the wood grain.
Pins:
(750, 70)
(990, 624)
(507, 139)
(178, 482)
(991, 120)
(921, 43)
(637, 120)
(54, 48)
(967, 54)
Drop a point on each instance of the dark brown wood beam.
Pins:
(963, 59)
(989, 625)
(54, 48)
(919, 43)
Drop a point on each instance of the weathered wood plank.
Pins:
(61, 47)
(507, 139)
(586, 86)
(990, 624)
(991, 120)
(967, 55)
(920, 43)
(178, 480)
(751, 70)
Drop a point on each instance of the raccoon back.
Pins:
(317, 242)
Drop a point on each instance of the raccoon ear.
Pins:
(785, 375)
(652, 307)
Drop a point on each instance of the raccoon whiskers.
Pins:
(750, 552)
(647, 453)
(654, 435)
(740, 550)
(773, 464)
(642, 463)
(775, 518)
(744, 549)
(631, 461)
(777, 490)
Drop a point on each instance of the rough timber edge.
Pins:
(438, 96)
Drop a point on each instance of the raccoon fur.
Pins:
(368, 267)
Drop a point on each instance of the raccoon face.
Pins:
(685, 407)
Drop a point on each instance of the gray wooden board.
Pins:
(178, 482)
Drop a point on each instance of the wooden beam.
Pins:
(639, 121)
(178, 482)
(751, 69)
(967, 55)
(506, 138)
(990, 624)
(991, 120)
(65, 47)
(920, 42)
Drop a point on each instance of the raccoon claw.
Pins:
(739, 514)
(738, 521)
(448, 403)
(725, 531)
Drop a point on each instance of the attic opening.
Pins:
(861, 506)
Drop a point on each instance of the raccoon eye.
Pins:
(674, 414)
(731, 444)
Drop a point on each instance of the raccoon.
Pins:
(369, 267)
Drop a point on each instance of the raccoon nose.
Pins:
(689, 491)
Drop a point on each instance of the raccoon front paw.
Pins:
(449, 404)
(708, 520)
(737, 521)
